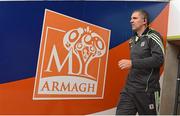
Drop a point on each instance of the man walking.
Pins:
(141, 92)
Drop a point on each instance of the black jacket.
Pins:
(147, 55)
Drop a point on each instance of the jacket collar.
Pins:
(144, 33)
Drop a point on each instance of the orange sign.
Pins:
(73, 59)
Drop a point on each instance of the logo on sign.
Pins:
(72, 59)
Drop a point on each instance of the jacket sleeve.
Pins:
(157, 54)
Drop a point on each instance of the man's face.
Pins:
(137, 21)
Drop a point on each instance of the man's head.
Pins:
(139, 20)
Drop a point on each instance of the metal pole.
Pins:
(177, 87)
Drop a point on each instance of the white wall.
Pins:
(174, 18)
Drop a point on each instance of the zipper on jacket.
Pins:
(147, 83)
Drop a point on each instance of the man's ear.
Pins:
(145, 20)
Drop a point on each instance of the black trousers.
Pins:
(143, 103)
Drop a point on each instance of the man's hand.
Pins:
(125, 64)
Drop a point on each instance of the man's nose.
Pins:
(131, 21)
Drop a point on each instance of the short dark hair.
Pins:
(144, 13)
